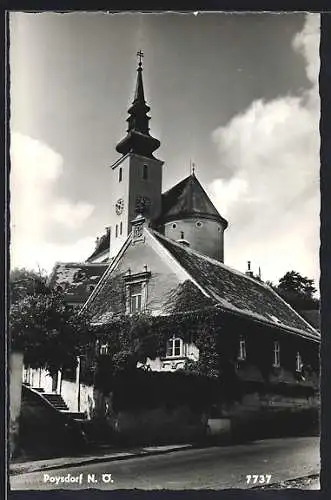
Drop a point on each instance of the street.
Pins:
(208, 468)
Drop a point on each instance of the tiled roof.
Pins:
(187, 199)
(76, 279)
(102, 246)
(236, 292)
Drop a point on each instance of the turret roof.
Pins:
(188, 199)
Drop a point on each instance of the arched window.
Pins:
(276, 362)
(145, 172)
(242, 348)
(121, 227)
(120, 175)
(116, 230)
(175, 347)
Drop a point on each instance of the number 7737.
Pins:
(258, 478)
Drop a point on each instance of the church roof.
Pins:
(102, 246)
(76, 279)
(230, 290)
(187, 199)
(236, 292)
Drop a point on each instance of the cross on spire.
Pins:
(140, 55)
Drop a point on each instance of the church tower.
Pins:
(189, 217)
(137, 174)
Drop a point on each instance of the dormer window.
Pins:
(242, 349)
(298, 363)
(175, 348)
(276, 361)
(79, 275)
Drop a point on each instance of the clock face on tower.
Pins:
(143, 204)
(119, 206)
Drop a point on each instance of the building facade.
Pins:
(159, 243)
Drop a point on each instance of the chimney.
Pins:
(249, 272)
(182, 240)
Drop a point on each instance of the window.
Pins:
(145, 172)
(116, 230)
(120, 175)
(242, 348)
(79, 275)
(298, 362)
(174, 226)
(121, 227)
(90, 288)
(276, 362)
(199, 223)
(135, 297)
(104, 349)
(174, 348)
(136, 290)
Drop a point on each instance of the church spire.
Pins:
(138, 139)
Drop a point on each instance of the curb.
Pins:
(106, 458)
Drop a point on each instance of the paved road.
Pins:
(208, 468)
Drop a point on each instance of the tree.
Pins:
(48, 331)
(298, 291)
(23, 282)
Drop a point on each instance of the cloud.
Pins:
(269, 188)
(33, 207)
(71, 215)
(306, 42)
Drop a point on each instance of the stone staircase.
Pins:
(58, 402)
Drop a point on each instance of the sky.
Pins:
(235, 93)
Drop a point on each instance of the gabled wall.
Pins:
(165, 272)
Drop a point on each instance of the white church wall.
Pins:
(204, 235)
(163, 278)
